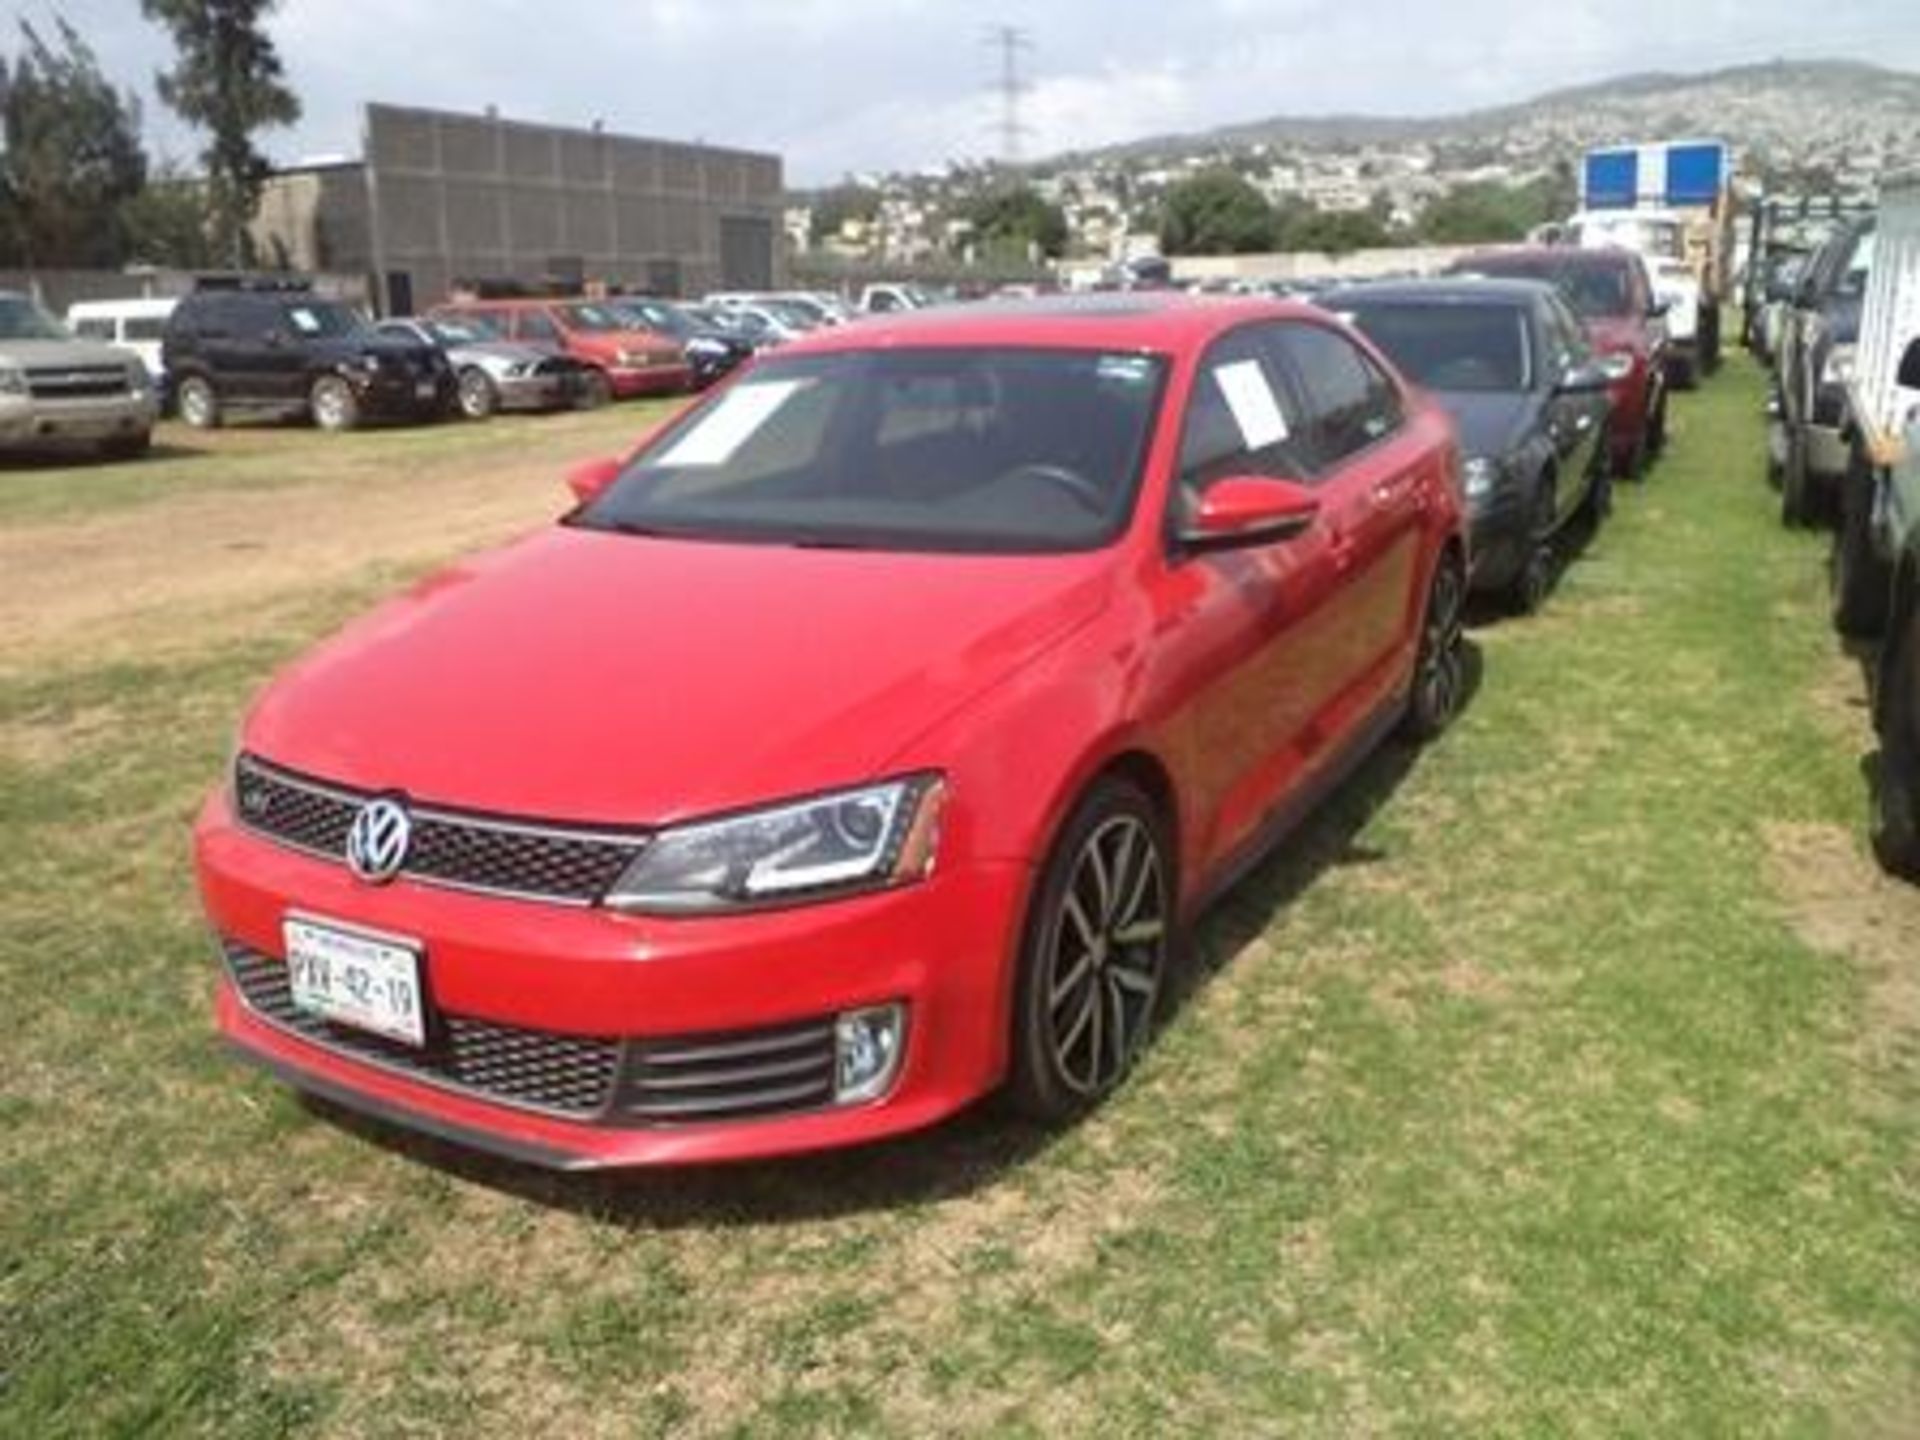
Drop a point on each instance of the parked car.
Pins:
(806, 306)
(713, 351)
(1610, 292)
(494, 373)
(1808, 397)
(762, 326)
(137, 325)
(860, 744)
(622, 361)
(55, 389)
(888, 299)
(1774, 292)
(1510, 363)
(279, 348)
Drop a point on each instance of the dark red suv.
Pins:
(1610, 291)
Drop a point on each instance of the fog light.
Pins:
(867, 1045)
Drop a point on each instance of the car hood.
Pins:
(498, 354)
(581, 675)
(1490, 423)
(38, 353)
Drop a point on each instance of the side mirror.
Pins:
(1248, 510)
(1909, 376)
(590, 478)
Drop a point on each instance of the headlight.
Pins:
(1478, 477)
(1616, 367)
(634, 357)
(13, 380)
(851, 840)
(1838, 369)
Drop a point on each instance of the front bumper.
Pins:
(387, 394)
(25, 420)
(1499, 535)
(543, 390)
(629, 381)
(943, 949)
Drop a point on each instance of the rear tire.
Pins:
(1862, 581)
(199, 403)
(1439, 666)
(1094, 960)
(333, 403)
(1798, 510)
(1896, 790)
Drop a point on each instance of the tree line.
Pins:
(77, 187)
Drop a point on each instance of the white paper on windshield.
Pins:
(305, 321)
(731, 423)
(1251, 399)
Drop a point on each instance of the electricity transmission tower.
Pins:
(1010, 41)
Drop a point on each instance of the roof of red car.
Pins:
(1134, 320)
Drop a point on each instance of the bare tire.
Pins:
(333, 404)
(1094, 958)
(1798, 510)
(1896, 790)
(1440, 664)
(477, 395)
(199, 403)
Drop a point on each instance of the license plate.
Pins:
(354, 979)
(425, 389)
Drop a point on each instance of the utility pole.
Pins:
(1010, 40)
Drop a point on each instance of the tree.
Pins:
(833, 208)
(166, 223)
(1215, 213)
(1481, 212)
(227, 81)
(1016, 218)
(72, 154)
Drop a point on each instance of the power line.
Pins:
(1010, 40)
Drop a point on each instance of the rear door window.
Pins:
(1350, 402)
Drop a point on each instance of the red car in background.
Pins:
(859, 745)
(1611, 293)
(625, 360)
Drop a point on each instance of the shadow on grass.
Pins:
(82, 456)
(973, 1150)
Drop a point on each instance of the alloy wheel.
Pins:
(1106, 954)
(1439, 678)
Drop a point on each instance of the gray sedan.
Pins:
(496, 373)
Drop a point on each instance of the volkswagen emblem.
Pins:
(377, 841)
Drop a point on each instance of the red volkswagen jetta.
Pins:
(857, 746)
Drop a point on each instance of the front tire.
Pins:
(1094, 959)
(477, 395)
(199, 403)
(1440, 664)
(1896, 790)
(1527, 591)
(333, 403)
(596, 390)
(1862, 582)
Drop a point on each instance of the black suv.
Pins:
(1809, 399)
(281, 349)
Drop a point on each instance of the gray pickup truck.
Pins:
(56, 390)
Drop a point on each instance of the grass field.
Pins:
(1563, 1080)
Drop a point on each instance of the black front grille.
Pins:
(77, 382)
(730, 1076)
(472, 852)
(572, 1075)
(651, 1083)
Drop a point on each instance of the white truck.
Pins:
(1876, 567)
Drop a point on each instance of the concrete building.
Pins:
(440, 200)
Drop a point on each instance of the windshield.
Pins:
(1451, 347)
(322, 317)
(465, 330)
(971, 449)
(796, 317)
(592, 317)
(21, 319)
(1592, 289)
(654, 316)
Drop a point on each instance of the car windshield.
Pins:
(1592, 289)
(970, 449)
(656, 316)
(1451, 347)
(592, 317)
(21, 319)
(466, 330)
(787, 313)
(322, 317)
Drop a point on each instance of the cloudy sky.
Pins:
(842, 85)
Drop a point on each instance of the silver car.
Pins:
(496, 373)
(56, 389)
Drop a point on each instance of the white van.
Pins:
(135, 325)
